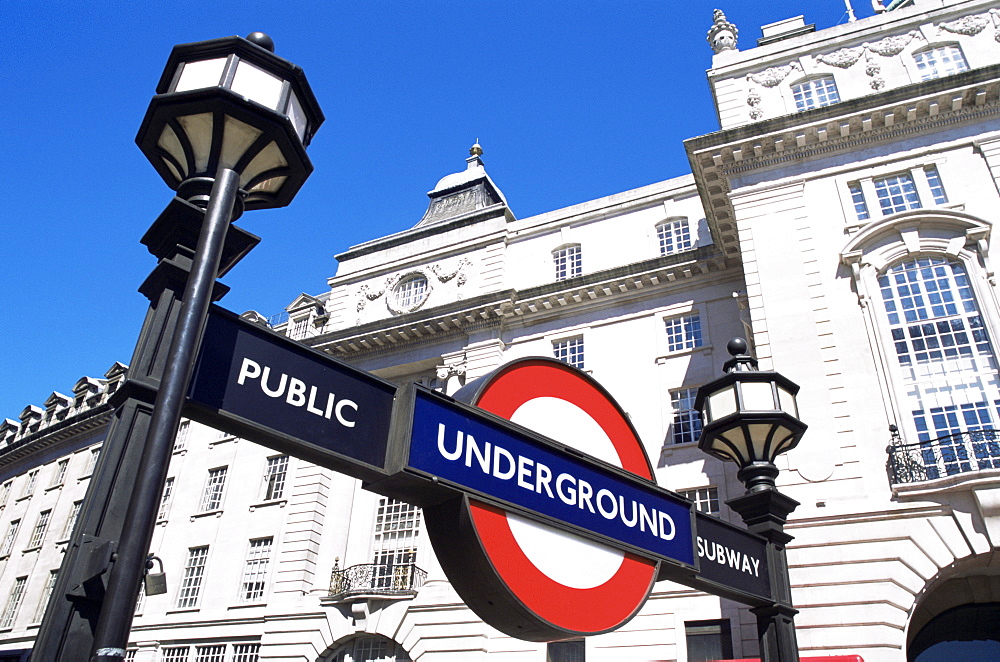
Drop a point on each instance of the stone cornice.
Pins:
(91, 419)
(505, 306)
(840, 128)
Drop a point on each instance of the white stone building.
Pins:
(841, 219)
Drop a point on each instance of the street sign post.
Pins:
(536, 489)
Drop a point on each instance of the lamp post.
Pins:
(227, 130)
(750, 417)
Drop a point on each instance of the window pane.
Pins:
(815, 93)
(896, 193)
(940, 61)
(569, 351)
(397, 527)
(686, 426)
(858, 198)
(683, 332)
(194, 571)
(255, 570)
(211, 498)
(274, 477)
(568, 261)
(674, 236)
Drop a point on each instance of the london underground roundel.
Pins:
(534, 581)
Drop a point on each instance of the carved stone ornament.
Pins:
(722, 35)
(753, 100)
(772, 76)
(368, 293)
(967, 25)
(890, 46)
(843, 58)
(458, 271)
(995, 15)
(873, 69)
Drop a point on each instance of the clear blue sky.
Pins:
(571, 100)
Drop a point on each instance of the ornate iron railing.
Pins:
(392, 579)
(958, 453)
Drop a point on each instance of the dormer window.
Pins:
(940, 61)
(410, 292)
(568, 261)
(673, 235)
(815, 93)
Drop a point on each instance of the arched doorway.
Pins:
(365, 648)
(970, 633)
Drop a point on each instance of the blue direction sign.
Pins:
(507, 465)
(264, 387)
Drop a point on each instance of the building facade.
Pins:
(840, 219)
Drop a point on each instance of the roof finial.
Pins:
(723, 34)
(476, 150)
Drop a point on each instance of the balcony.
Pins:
(375, 580)
(951, 455)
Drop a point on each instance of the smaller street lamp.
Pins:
(750, 417)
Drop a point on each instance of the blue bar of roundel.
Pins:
(426, 457)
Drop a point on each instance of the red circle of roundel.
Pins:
(589, 610)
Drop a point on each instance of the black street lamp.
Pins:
(227, 130)
(750, 417)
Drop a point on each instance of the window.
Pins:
(38, 534)
(708, 640)
(194, 571)
(5, 492)
(71, 520)
(815, 93)
(29, 485)
(686, 426)
(130, 654)
(183, 431)
(175, 654)
(568, 261)
(943, 352)
(165, 499)
(940, 61)
(13, 603)
(674, 236)
(896, 193)
(706, 499)
(213, 653)
(246, 652)
(211, 498)
(255, 570)
(410, 292)
(43, 599)
(95, 455)
(570, 351)
(60, 475)
(8, 541)
(397, 526)
(683, 332)
(566, 651)
(299, 328)
(858, 199)
(274, 477)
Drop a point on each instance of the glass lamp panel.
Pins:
(236, 139)
(298, 116)
(198, 129)
(197, 75)
(257, 85)
(269, 185)
(267, 159)
(759, 434)
(786, 401)
(171, 145)
(173, 170)
(757, 396)
(721, 403)
(732, 444)
(786, 437)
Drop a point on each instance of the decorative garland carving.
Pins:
(967, 25)
(873, 69)
(843, 58)
(753, 100)
(772, 76)
(894, 45)
(995, 15)
(368, 293)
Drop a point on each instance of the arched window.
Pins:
(924, 279)
(937, 61)
(367, 648)
(568, 261)
(815, 93)
(674, 235)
